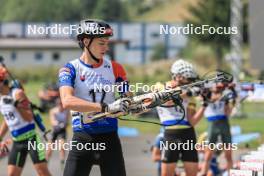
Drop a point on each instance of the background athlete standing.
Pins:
(217, 112)
(183, 131)
(59, 118)
(77, 81)
(18, 118)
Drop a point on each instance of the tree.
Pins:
(58, 11)
(216, 14)
(110, 10)
(39, 10)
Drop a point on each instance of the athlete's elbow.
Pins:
(155, 157)
(193, 123)
(66, 103)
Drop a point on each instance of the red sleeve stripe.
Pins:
(119, 71)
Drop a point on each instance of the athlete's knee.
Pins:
(167, 170)
(229, 162)
(207, 159)
(43, 172)
(208, 155)
(191, 172)
(14, 171)
(42, 169)
(229, 158)
(12, 174)
(166, 174)
(191, 169)
(228, 154)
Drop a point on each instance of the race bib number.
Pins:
(9, 116)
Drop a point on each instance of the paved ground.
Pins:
(136, 153)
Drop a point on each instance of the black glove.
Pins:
(204, 103)
(206, 95)
(193, 91)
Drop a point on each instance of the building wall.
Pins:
(141, 39)
(25, 58)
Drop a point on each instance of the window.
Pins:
(155, 35)
(13, 55)
(56, 56)
(38, 56)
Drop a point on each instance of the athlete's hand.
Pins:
(205, 101)
(206, 96)
(193, 91)
(3, 149)
(158, 99)
(120, 105)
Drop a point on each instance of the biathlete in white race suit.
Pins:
(59, 118)
(77, 81)
(217, 112)
(183, 131)
(18, 118)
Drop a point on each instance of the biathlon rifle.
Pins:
(145, 102)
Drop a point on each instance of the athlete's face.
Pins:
(216, 89)
(180, 80)
(3, 87)
(99, 47)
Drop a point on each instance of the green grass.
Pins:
(249, 124)
(31, 89)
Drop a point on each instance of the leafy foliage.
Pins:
(216, 14)
(66, 10)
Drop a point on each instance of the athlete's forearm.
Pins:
(197, 116)
(77, 104)
(23, 105)
(3, 130)
(156, 158)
